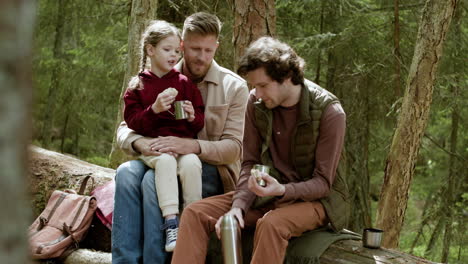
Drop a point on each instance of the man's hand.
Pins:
(176, 145)
(143, 145)
(237, 213)
(272, 188)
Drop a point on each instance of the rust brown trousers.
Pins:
(274, 226)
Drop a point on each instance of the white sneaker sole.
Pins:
(170, 247)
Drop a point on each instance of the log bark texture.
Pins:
(51, 170)
(346, 252)
(413, 118)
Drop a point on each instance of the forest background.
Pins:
(356, 49)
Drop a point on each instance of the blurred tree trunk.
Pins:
(48, 121)
(426, 216)
(17, 18)
(358, 152)
(413, 118)
(353, 91)
(454, 189)
(142, 11)
(396, 49)
(451, 188)
(252, 20)
(319, 55)
(434, 236)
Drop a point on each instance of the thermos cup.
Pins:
(260, 168)
(231, 240)
(372, 237)
(179, 110)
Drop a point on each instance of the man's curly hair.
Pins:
(278, 58)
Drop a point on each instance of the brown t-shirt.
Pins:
(327, 154)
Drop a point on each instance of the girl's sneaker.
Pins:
(172, 228)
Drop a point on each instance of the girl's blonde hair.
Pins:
(156, 31)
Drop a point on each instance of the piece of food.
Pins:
(171, 91)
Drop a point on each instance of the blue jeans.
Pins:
(136, 233)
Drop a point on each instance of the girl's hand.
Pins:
(188, 107)
(163, 103)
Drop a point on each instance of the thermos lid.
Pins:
(229, 222)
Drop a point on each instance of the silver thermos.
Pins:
(231, 240)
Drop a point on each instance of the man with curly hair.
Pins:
(297, 129)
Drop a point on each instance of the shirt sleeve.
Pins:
(327, 156)
(138, 117)
(125, 138)
(243, 197)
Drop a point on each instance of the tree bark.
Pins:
(141, 13)
(412, 121)
(17, 19)
(48, 121)
(345, 251)
(252, 20)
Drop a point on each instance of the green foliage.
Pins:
(91, 72)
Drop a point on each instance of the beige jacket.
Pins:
(221, 138)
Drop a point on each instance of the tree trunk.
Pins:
(356, 104)
(452, 190)
(434, 236)
(252, 20)
(141, 13)
(412, 121)
(48, 121)
(396, 50)
(17, 18)
(319, 55)
(426, 217)
(352, 89)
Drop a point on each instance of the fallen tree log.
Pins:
(51, 170)
(344, 252)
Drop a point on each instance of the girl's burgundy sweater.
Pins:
(140, 117)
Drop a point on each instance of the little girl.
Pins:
(149, 111)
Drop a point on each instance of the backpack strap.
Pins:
(84, 183)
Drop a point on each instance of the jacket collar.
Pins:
(304, 113)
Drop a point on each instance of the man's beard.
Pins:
(198, 77)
